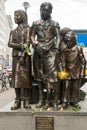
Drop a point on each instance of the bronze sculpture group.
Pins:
(55, 50)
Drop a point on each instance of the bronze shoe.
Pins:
(26, 104)
(55, 107)
(65, 105)
(16, 105)
(76, 105)
(40, 104)
(46, 105)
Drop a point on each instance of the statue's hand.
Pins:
(21, 61)
(22, 47)
(39, 49)
(55, 51)
(35, 43)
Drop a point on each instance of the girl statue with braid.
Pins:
(21, 63)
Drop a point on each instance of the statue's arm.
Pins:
(58, 37)
(33, 34)
(27, 41)
(82, 60)
(12, 44)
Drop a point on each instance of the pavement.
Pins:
(6, 96)
(7, 99)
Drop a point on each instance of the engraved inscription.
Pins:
(44, 123)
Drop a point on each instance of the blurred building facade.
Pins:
(5, 28)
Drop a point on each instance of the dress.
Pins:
(21, 73)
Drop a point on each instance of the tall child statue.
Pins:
(45, 36)
(21, 63)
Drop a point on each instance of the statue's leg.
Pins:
(17, 103)
(60, 93)
(48, 96)
(26, 99)
(75, 91)
(40, 87)
(66, 93)
(55, 104)
(47, 101)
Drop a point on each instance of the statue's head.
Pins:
(20, 16)
(69, 36)
(46, 10)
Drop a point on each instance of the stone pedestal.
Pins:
(29, 120)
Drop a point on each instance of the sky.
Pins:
(68, 13)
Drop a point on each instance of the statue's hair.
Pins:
(64, 30)
(23, 15)
(48, 4)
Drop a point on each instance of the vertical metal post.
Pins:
(26, 5)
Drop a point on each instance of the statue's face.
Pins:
(45, 13)
(17, 18)
(70, 36)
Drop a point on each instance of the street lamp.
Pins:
(26, 5)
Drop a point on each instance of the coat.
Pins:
(21, 72)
